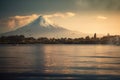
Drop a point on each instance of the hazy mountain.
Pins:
(42, 28)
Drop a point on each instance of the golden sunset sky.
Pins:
(87, 16)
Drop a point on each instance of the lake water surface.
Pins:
(59, 61)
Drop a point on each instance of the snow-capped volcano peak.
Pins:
(42, 21)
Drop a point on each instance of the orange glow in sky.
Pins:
(92, 22)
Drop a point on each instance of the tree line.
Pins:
(21, 39)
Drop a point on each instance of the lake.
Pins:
(59, 61)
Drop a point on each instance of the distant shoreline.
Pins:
(21, 39)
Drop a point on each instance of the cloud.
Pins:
(98, 5)
(70, 14)
(11, 23)
(62, 15)
(22, 20)
(17, 21)
(101, 17)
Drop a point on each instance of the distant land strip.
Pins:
(21, 39)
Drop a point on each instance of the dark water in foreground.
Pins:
(39, 62)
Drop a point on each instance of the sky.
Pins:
(87, 16)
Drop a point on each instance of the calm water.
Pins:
(38, 62)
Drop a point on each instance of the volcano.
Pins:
(41, 27)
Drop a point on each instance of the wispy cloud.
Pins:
(101, 17)
(22, 20)
(62, 15)
(98, 5)
(18, 21)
